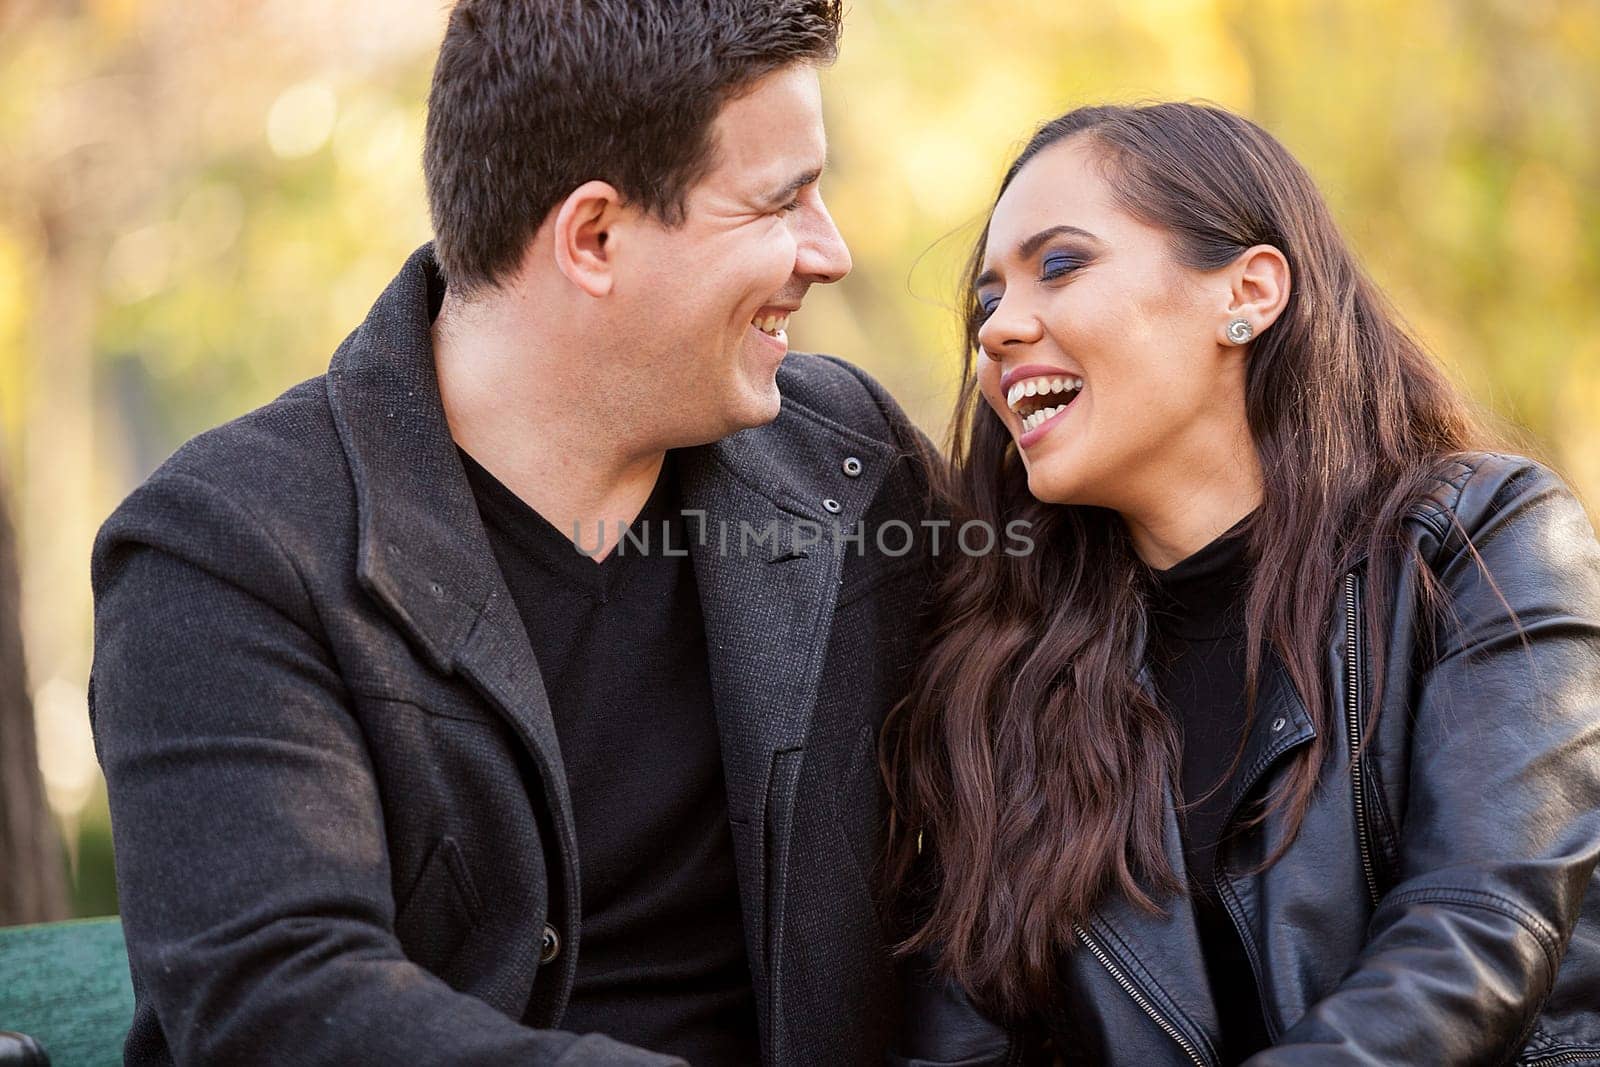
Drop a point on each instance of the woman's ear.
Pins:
(585, 236)
(1259, 285)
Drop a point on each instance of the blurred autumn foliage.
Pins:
(197, 201)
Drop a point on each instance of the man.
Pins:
(396, 774)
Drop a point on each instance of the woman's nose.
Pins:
(1009, 324)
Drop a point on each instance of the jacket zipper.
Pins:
(1352, 707)
(1352, 664)
(1139, 998)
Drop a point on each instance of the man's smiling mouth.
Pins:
(772, 324)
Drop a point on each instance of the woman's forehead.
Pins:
(1062, 186)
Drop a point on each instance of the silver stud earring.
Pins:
(1240, 331)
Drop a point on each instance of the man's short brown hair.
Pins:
(532, 98)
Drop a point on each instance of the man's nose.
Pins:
(821, 254)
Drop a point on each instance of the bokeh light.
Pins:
(197, 202)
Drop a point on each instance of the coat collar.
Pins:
(1279, 724)
(424, 556)
(1161, 951)
(423, 552)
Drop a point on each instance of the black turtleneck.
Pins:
(1198, 663)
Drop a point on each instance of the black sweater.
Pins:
(1198, 663)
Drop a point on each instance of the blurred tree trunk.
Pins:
(32, 878)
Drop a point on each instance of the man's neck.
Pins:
(523, 414)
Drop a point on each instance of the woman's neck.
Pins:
(1188, 513)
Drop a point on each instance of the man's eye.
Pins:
(790, 208)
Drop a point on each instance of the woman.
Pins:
(1284, 743)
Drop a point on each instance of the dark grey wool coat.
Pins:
(341, 821)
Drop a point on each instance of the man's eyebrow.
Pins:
(1028, 247)
(784, 195)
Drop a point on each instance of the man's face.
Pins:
(707, 301)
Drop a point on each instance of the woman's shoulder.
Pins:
(1469, 488)
(1512, 508)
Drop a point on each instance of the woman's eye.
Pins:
(1054, 266)
(986, 306)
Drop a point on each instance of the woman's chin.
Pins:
(1050, 485)
(1078, 487)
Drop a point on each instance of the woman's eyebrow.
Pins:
(1030, 245)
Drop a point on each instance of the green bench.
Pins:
(66, 986)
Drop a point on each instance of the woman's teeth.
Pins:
(1041, 387)
(1036, 412)
(772, 325)
(1040, 416)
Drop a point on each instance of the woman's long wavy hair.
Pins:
(1028, 757)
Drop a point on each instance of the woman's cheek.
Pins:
(989, 382)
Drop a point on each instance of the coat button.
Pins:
(831, 506)
(1278, 724)
(549, 944)
(852, 467)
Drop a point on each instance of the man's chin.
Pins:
(749, 411)
(768, 405)
(758, 403)
(751, 417)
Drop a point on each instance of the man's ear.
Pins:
(1258, 288)
(584, 236)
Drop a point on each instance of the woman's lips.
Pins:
(1032, 436)
(1034, 370)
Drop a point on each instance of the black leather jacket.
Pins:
(1440, 904)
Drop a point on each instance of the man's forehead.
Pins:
(774, 131)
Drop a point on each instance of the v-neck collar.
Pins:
(424, 558)
(539, 539)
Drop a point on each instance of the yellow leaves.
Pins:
(16, 294)
(114, 19)
(241, 235)
(209, 221)
(140, 263)
(1542, 222)
(1200, 57)
(1578, 434)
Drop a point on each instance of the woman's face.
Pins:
(1102, 353)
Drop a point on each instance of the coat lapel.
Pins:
(1280, 724)
(1161, 951)
(768, 605)
(423, 554)
(768, 612)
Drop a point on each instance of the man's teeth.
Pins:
(1042, 387)
(772, 324)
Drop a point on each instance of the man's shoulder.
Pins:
(262, 469)
(270, 452)
(846, 394)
